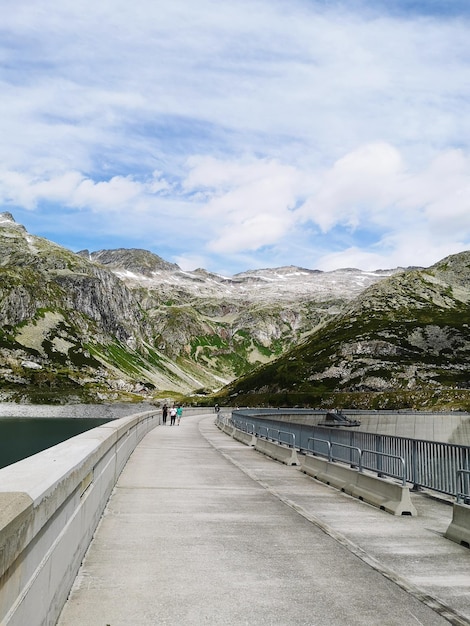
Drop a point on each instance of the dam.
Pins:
(137, 523)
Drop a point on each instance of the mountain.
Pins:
(71, 329)
(227, 326)
(402, 342)
(125, 323)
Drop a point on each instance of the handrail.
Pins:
(330, 449)
(463, 494)
(279, 439)
(328, 443)
(390, 456)
(429, 464)
(267, 432)
(361, 452)
(258, 432)
(243, 425)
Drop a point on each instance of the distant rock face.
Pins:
(408, 332)
(61, 313)
(226, 326)
(130, 260)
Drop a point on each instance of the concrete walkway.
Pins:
(201, 529)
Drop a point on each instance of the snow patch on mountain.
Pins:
(262, 285)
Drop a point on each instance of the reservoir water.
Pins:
(21, 437)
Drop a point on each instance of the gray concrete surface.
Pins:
(202, 529)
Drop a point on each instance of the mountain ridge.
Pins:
(404, 341)
(126, 324)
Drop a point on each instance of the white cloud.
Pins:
(243, 128)
(256, 204)
(360, 185)
(249, 204)
(117, 192)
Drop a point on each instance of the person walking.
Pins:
(164, 413)
(179, 414)
(172, 415)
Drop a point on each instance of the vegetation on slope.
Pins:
(404, 342)
(71, 330)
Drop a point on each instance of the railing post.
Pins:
(414, 465)
(351, 445)
(380, 449)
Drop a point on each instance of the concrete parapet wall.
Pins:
(459, 528)
(281, 453)
(246, 438)
(384, 494)
(338, 476)
(50, 505)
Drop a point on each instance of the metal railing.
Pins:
(224, 420)
(275, 434)
(361, 454)
(433, 465)
(330, 444)
(282, 436)
(244, 425)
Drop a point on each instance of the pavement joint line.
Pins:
(147, 488)
(434, 603)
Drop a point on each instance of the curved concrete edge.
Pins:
(384, 494)
(285, 455)
(53, 503)
(459, 528)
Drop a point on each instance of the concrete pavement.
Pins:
(201, 529)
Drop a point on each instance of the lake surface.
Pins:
(21, 437)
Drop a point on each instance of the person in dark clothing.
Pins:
(164, 414)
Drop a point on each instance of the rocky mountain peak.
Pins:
(7, 221)
(131, 260)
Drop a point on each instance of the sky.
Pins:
(241, 134)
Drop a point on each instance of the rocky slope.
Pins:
(229, 325)
(105, 324)
(70, 328)
(402, 342)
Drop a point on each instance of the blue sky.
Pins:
(241, 134)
